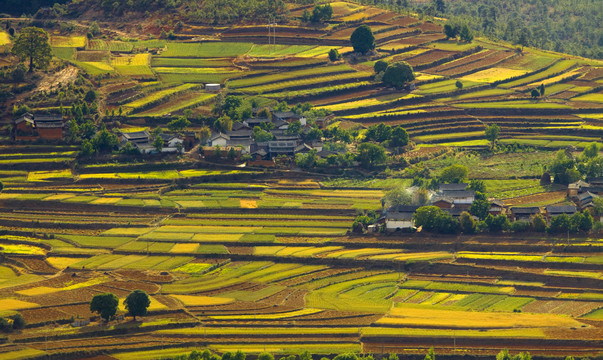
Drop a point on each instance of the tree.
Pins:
(105, 305)
(265, 356)
(591, 151)
(560, 224)
(1, 186)
(137, 303)
(535, 93)
(454, 174)
(425, 216)
(396, 197)
(451, 30)
(18, 321)
(399, 137)
(465, 34)
(204, 134)
(380, 66)
(480, 208)
(478, 186)
(295, 127)
(430, 354)
(492, 133)
(538, 223)
(87, 148)
(467, 224)
(158, 143)
(104, 140)
(398, 73)
(314, 134)
(378, 133)
(334, 55)
(371, 155)
(94, 30)
(459, 85)
(362, 39)
(306, 161)
(261, 135)
(223, 123)
(178, 124)
(497, 223)
(440, 6)
(524, 37)
(33, 44)
(321, 13)
(541, 90)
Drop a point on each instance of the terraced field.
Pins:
(247, 273)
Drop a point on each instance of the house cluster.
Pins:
(29, 127)
(143, 141)
(283, 142)
(456, 198)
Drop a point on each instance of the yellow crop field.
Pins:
(62, 262)
(493, 74)
(45, 175)
(4, 38)
(99, 65)
(138, 59)
(68, 41)
(192, 300)
(284, 315)
(39, 290)
(413, 315)
(14, 304)
(595, 97)
(21, 249)
(248, 204)
(106, 200)
(217, 237)
(184, 248)
(556, 79)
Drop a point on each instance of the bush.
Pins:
(380, 66)
(398, 73)
(520, 226)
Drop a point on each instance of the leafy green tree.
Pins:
(378, 133)
(347, 356)
(314, 134)
(223, 123)
(334, 55)
(594, 167)
(231, 104)
(492, 134)
(306, 161)
(478, 186)
(480, 208)
(1, 186)
(466, 34)
(440, 6)
(204, 134)
(179, 124)
(535, 93)
(560, 224)
(520, 226)
(137, 302)
(104, 140)
(538, 223)
(105, 305)
(459, 85)
(261, 135)
(265, 356)
(524, 38)
(591, 151)
(426, 216)
(362, 39)
(451, 30)
(466, 222)
(94, 30)
(397, 196)
(371, 155)
(541, 90)
(380, 66)
(86, 148)
(321, 13)
(497, 223)
(18, 321)
(398, 73)
(295, 127)
(32, 44)
(158, 143)
(399, 137)
(232, 154)
(454, 174)
(430, 354)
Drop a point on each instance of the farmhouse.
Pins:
(136, 138)
(524, 213)
(585, 200)
(497, 207)
(172, 143)
(219, 139)
(399, 218)
(276, 148)
(39, 126)
(552, 211)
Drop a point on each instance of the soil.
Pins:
(63, 77)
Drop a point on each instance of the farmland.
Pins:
(290, 259)
(239, 257)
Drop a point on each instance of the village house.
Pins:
(497, 207)
(585, 200)
(219, 139)
(524, 213)
(399, 218)
(172, 143)
(39, 126)
(136, 138)
(212, 87)
(552, 211)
